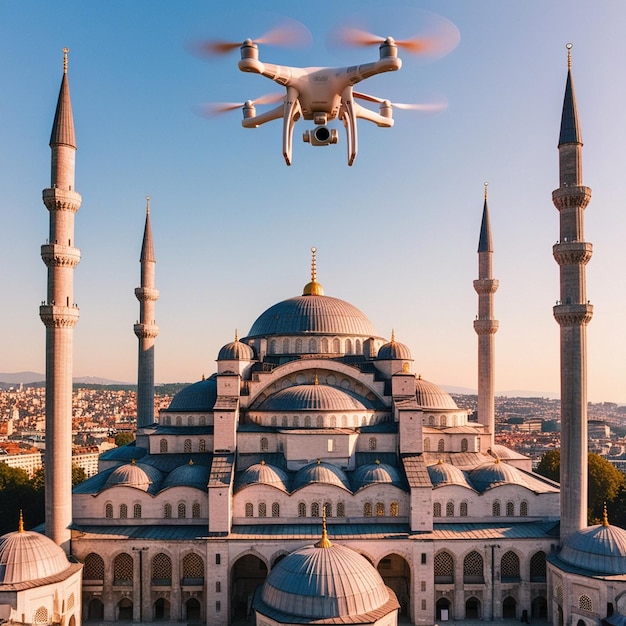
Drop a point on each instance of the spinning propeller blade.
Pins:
(433, 107)
(212, 109)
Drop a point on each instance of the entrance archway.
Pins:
(124, 610)
(472, 608)
(443, 609)
(396, 573)
(95, 609)
(247, 574)
(161, 609)
(509, 608)
(192, 608)
(539, 608)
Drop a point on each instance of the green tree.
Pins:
(17, 493)
(121, 439)
(78, 475)
(550, 465)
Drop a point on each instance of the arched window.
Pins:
(182, 510)
(510, 509)
(307, 421)
(161, 570)
(495, 508)
(328, 509)
(167, 511)
(372, 443)
(538, 567)
(301, 509)
(179, 420)
(94, 567)
(41, 615)
(187, 445)
(202, 420)
(275, 509)
(320, 421)
(443, 421)
(333, 421)
(357, 346)
(264, 444)
(436, 509)
(585, 603)
(298, 346)
(427, 445)
(464, 445)
(367, 509)
(190, 420)
(450, 509)
(463, 509)
(123, 511)
(202, 445)
(344, 421)
(195, 510)
(509, 567)
(249, 509)
(336, 346)
(324, 345)
(193, 569)
(123, 569)
(284, 421)
(523, 508)
(431, 420)
(393, 509)
(262, 509)
(443, 567)
(296, 421)
(348, 346)
(163, 445)
(441, 445)
(285, 346)
(477, 444)
(272, 346)
(315, 509)
(341, 509)
(108, 510)
(273, 421)
(312, 345)
(473, 568)
(559, 595)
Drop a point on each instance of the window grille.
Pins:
(315, 509)
(195, 510)
(123, 511)
(367, 509)
(167, 511)
(187, 445)
(436, 509)
(262, 509)
(163, 445)
(372, 443)
(393, 509)
(341, 509)
(275, 509)
(463, 509)
(523, 508)
(585, 603)
(161, 569)
(193, 566)
(123, 569)
(137, 511)
(94, 567)
(443, 568)
(301, 509)
(509, 567)
(495, 508)
(108, 511)
(249, 509)
(41, 615)
(450, 509)
(473, 568)
(464, 445)
(510, 509)
(182, 510)
(538, 567)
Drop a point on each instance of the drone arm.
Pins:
(372, 116)
(291, 112)
(349, 110)
(268, 116)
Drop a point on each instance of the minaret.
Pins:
(572, 312)
(146, 329)
(485, 325)
(59, 314)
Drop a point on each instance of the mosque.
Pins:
(314, 478)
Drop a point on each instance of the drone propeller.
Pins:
(216, 108)
(431, 108)
(290, 34)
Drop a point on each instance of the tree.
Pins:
(121, 439)
(18, 494)
(550, 465)
(78, 475)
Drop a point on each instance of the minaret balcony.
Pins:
(55, 255)
(146, 293)
(57, 199)
(486, 285)
(54, 316)
(146, 331)
(485, 326)
(574, 197)
(572, 252)
(573, 314)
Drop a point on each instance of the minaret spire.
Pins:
(572, 312)
(146, 328)
(485, 325)
(59, 314)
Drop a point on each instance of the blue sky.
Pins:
(396, 233)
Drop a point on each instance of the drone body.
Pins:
(321, 95)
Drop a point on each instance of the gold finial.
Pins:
(203, 378)
(190, 461)
(486, 185)
(324, 542)
(236, 335)
(393, 335)
(319, 461)
(65, 51)
(605, 516)
(440, 462)
(313, 265)
(569, 47)
(313, 288)
(262, 461)
(377, 461)
(133, 462)
(147, 205)
(419, 377)
(315, 379)
(497, 460)
(20, 524)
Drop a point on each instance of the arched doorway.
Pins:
(472, 608)
(444, 609)
(192, 609)
(509, 608)
(539, 608)
(247, 574)
(396, 573)
(559, 621)
(124, 610)
(95, 609)
(161, 609)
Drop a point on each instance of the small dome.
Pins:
(324, 581)
(430, 396)
(600, 549)
(263, 474)
(136, 475)
(495, 473)
(26, 556)
(189, 475)
(320, 472)
(394, 350)
(376, 473)
(236, 351)
(446, 474)
(200, 396)
(313, 397)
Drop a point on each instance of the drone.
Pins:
(324, 94)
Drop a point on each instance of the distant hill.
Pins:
(28, 378)
(515, 393)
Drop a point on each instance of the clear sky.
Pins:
(396, 233)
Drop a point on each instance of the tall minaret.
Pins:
(146, 329)
(572, 312)
(59, 314)
(485, 325)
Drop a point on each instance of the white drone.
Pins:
(324, 94)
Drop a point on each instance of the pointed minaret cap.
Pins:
(63, 125)
(324, 542)
(484, 242)
(570, 131)
(20, 524)
(147, 247)
(605, 516)
(313, 288)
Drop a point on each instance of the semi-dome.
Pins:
(200, 396)
(312, 314)
(26, 556)
(430, 396)
(376, 473)
(236, 351)
(325, 582)
(600, 549)
(314, 397)
(394, 350)
(495, 473)
(138, 475)
(446, 474)
(320, 472)
(189, 475)
(264, 474)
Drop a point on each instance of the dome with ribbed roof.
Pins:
(188, 475)
(314, 397)
(494, 473)
(263, 474)
(394, 350)
(376, 473)
(199, 396)
(320, 472)
(446, 474)
(138, 475)
(27, 556)
(600, 549)
(325, 582)
(430, 396)
(236, 351)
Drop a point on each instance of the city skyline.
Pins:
(218, 191)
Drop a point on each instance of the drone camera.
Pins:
(321, 136)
